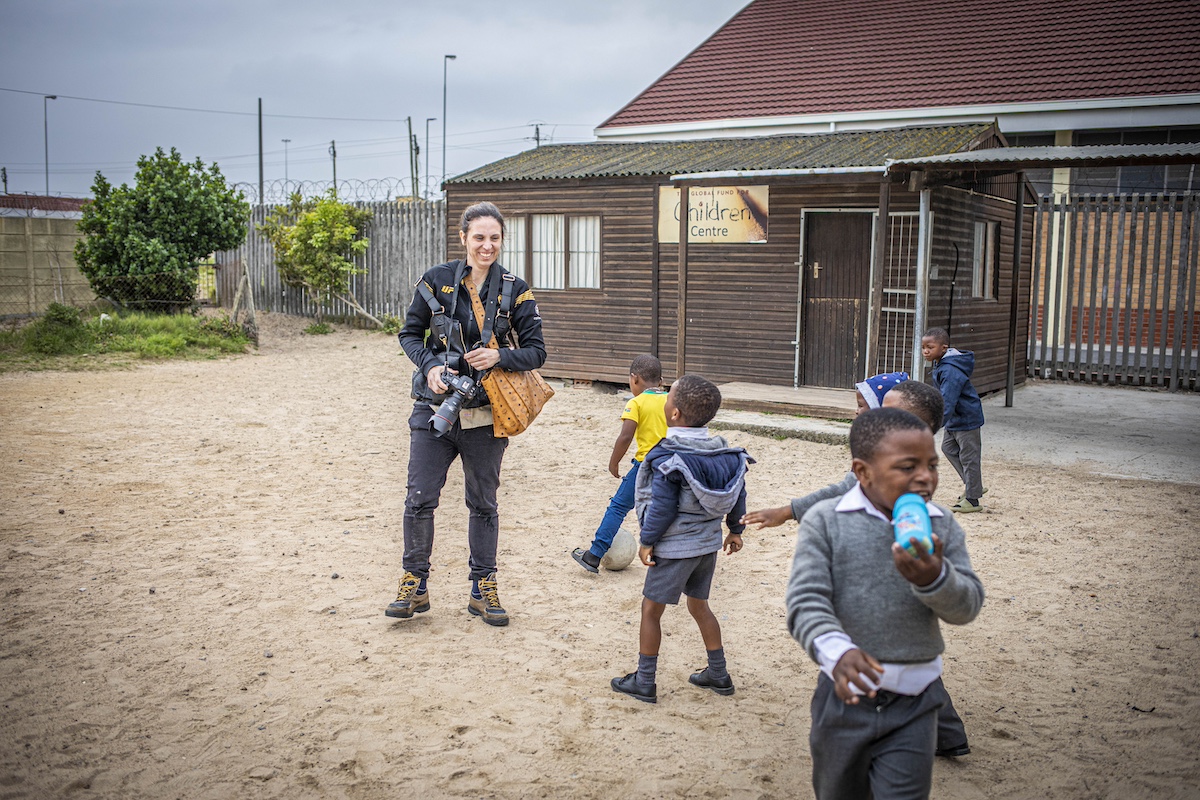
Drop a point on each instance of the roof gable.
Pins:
(830, 151)
(805, 57)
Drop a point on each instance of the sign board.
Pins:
(716, 214)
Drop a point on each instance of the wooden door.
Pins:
(837, 288)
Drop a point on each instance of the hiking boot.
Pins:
(488, 605)
(409, 598)
(586, 559)
(719, 685)
(965, 506)
(629, 685)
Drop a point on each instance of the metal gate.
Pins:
(1113, 293)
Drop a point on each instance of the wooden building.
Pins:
(788, 278)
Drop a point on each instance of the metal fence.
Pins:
(1113, 294)
(407, 238)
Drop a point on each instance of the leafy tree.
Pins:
(141, 245)
(315, 241)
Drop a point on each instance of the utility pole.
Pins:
(4, 177)
(46, 137)
(261, 198)
(427, 121)
(445, 60)
(333, 155)
(285, 165)
(414, 151)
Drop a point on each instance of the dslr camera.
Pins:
(462, 388)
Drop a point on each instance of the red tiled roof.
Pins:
(797, 57)
(28, 202)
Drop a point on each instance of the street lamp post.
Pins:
(427, 121)
(445, 60)
(285, 165)
(46, 137)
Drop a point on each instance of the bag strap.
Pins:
(491, 331)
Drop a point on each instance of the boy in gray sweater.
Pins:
(868, 613)
(687, 484)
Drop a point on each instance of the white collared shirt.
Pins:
(687, 433)
(908, 679)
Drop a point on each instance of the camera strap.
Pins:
(441, 322)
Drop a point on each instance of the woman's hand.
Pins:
(434, 379)
(482, 358)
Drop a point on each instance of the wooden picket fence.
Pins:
(406, 238)
(1113, 294)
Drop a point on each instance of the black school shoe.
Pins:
(719, 685)
(629, 685)
(585, 558)
(963, 749)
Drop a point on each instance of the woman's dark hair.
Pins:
(481, 209)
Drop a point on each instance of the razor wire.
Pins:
(278, 192)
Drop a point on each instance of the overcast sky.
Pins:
(564, 63)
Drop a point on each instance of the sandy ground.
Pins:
(196, 558)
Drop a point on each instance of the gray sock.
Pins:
(716, 663)
(647, 666)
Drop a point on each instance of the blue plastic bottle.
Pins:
(910, 520)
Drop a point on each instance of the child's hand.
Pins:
(919, 571)
(646, 554)
(856, 667)
(614, 470)
(768, 517)
(733, 543)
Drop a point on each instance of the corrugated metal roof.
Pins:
(810, 151)
(1016, 158)
(799, 57)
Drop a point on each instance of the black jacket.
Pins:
(426, 351)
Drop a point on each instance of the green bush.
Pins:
(141, 245)
(60, 331)
(318, 329)
(391, 324)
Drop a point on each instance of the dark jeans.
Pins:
(429, 459)
(880, 748)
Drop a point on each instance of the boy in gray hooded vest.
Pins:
(687, 484)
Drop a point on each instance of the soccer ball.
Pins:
(624, 549)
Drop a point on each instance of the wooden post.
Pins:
(1018, 229)
(30, 269)
(878, 268)
(681, 342)
(654, 253)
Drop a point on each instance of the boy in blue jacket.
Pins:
(687, 484)
(963, 414)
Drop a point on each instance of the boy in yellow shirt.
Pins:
(644, 420)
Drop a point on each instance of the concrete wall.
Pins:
(37, 265)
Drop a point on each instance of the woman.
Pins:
(455, 346)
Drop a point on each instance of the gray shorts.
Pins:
(669, 577)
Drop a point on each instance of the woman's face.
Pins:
(483, 240)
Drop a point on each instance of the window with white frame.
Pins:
(554, 251)
(513, 255)
(983, 273)
(548, 240)
(583, 260)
